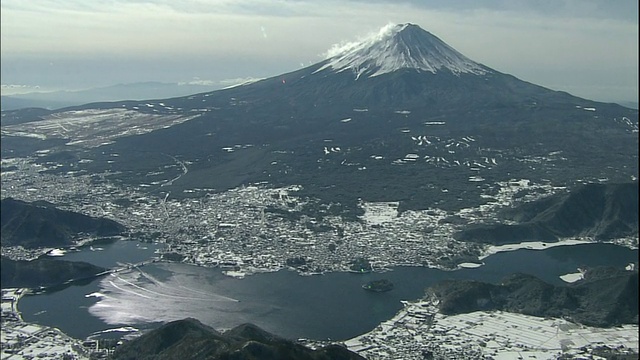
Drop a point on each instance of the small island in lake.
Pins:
(378, 285)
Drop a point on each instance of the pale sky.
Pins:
(586, 47)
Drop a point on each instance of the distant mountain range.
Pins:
(132, 91)
(41, 224)
(606, 297)
(189, 339)
(599, 211)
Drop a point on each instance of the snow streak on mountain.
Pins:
(403, 46)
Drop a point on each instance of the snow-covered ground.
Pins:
(419, 328)
(94, 127)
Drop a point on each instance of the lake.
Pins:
(331, 306)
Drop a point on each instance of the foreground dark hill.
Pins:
(41, 224)
(599, 211)
(191, 340)
(401, 112)
(606, 297)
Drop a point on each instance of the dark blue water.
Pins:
(318, 307)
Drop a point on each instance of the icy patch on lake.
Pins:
(469, 265)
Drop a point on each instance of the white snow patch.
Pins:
(120, 329)
(56, 252)
(377, 213)
(235, 274)
(532, 245)
(573, 277)
(96, 295)
(469, 265)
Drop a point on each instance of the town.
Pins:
(257, 228)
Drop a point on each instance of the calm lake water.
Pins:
(331, 306)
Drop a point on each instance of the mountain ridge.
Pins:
(118, 92)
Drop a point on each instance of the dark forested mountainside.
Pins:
(44, 272)
(605, 297)
(599, 211)
(41, 224)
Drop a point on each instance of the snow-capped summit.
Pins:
(400, 46)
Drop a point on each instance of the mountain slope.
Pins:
(132, 91)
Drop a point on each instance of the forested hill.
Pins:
(41, 224)
(599, 211)
(606, 297)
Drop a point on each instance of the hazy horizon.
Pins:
(587, 48)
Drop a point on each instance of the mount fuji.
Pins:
(400, 116)
(397, 47)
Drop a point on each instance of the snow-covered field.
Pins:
(419, 328)
(94, 127)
